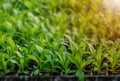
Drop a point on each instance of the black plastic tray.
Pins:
(59, 78)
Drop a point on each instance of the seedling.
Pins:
(77, 58)
(98, 56)
(4, 62)
(64, 60)
(113, 57)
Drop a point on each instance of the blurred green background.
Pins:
(76, 18)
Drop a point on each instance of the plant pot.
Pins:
(59, 78)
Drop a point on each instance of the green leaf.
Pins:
(22, 61)
(80, 75)
(85, 63)
(7, 71)
(34, 59)
(13, 61)
(12, 43)
(36, 72)
(26, 72)
(19, 54)
(3, 38)
(40, 49)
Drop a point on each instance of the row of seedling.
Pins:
(60, 58)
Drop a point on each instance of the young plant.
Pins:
(51, 62)
(64, 60)
(113, 57)
(38, 60)
(98, 57)
(79, 60)
(22, 62)
(4, 62)
(40, 57)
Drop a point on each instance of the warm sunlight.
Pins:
(113, 5)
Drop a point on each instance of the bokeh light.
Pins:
(113, 6)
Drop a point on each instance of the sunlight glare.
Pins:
(114, 5)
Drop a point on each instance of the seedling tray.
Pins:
(59, 78)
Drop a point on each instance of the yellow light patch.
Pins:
(112, 5)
